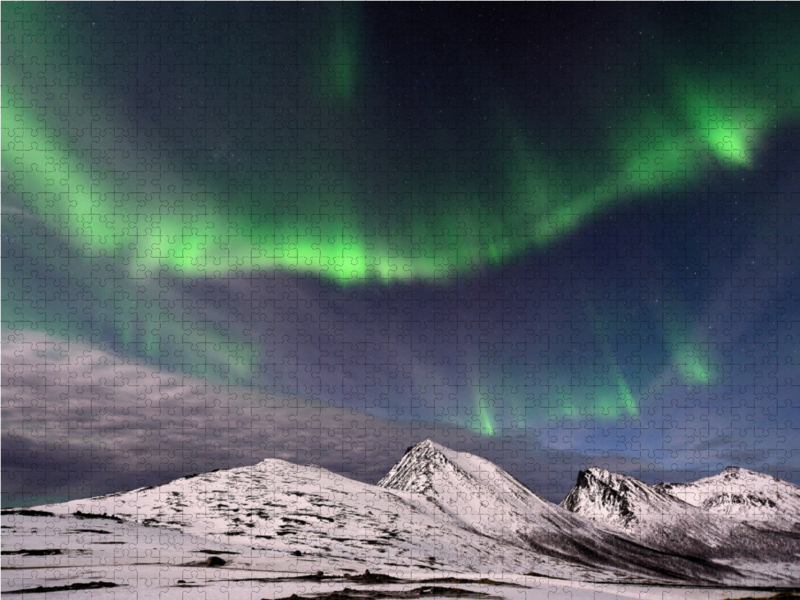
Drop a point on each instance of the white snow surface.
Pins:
(437, 513)
(155, 563)
(743, 495)
(282, 508)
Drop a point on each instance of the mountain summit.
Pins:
(743, 495)
(434, 470)
(442, 510)
(677, 518)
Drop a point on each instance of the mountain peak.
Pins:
(602, 475)
(417, 470)
(425, 445)
(743, 495)
(609, 497)
(457, 479)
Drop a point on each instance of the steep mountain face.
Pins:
(469, 488)
(620, 501)
(743, 495)
(490, 501)
(314, 514)
(428, 467)
(653, 516)
(436, 510)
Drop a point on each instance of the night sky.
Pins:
(555, 235)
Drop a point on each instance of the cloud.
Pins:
(79, 421)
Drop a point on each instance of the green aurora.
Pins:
(458, 200)
(325, 179)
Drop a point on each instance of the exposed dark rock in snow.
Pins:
(438, 509)
(755, 498)
(658, 517)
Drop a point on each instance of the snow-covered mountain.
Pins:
(330, 521)
(626, 503)
(654, 516)
(491, 502)
(436, 510)
(743, 495)
(469, 488)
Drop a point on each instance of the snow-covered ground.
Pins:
(270, 529)
(151, 562)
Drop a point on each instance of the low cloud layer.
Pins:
(80, 421)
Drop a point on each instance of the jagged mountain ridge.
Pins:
(436, 509)
(473, 489)
(492, 502)
(744, 495)
(653, 516)
(621, 501)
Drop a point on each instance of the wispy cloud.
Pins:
(80, 421)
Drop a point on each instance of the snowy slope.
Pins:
(652, 516)
(468, 487)
(437, 510)
(743, 495)
(307, 511)
(492, 502)
(126, 561)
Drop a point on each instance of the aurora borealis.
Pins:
(559, 235)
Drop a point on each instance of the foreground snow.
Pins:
(148, 562)
(437, 514)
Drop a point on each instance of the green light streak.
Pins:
(690, 361)
(338, 62)
(686, 355)
(448, 219)
(624, 394)
(483, 418)
(611, 395)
